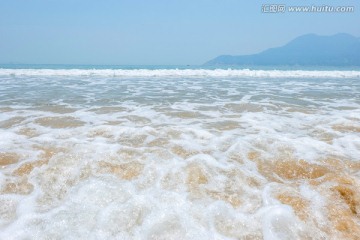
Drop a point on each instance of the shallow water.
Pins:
(179, 154)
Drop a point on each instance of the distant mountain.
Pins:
(307, 50)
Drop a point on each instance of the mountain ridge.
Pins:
(341, 49)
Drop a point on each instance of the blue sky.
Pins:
(163, 32)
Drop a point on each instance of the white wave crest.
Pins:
(181, 73)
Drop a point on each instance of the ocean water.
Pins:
(185, 153)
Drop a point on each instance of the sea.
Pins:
(179, 152)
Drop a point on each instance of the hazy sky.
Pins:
(155, 32)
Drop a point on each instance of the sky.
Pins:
(158, 32)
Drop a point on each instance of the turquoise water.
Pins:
(72, 66)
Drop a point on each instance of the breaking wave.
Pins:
(181, 73)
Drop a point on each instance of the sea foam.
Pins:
(177, 157)
(181, 73)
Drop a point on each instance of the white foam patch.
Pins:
(279, 223)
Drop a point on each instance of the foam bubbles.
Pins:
(179, 154)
